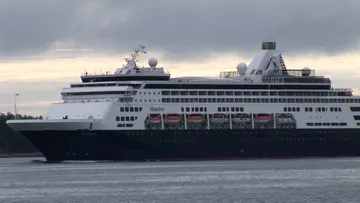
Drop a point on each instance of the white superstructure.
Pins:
(264, 94)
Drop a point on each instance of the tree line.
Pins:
(11, 141)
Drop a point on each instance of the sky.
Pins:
(45, 45)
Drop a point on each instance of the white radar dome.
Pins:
(305, 71)
(241, 68)
(153, 62)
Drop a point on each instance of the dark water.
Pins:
(270, 181)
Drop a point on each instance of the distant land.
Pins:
(12, 144)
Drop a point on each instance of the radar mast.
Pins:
(135, 55)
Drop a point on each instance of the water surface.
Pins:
(270, 181)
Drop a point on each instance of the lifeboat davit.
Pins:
(195, 118)
(219, 118)
(241, 118)
(172, 118)
(154, 118)
(262, 118)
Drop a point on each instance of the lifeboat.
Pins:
(241, 118)
(262, 118)
(154, 118)
(195, 118)
(219, 118)
(172, 118)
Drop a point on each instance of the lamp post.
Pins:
(15, 110)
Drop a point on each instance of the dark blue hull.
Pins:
(139, 145)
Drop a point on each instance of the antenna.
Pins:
(135, 55)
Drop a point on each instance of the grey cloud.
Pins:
(184, 29)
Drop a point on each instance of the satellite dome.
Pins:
(241, 68)
(305, 71)
(153, 62)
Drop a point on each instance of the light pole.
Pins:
(15, 95)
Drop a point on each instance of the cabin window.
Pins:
(184, 93)
(255, 93)
(282, 93)
(298, 93)
(174, 93)
(202, 93)
(229, 100)
(193, 93)
(290, 93)
(164, 92)
(220, 93)
(211, 93)
(273, 94)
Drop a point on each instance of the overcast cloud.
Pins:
(180, 28)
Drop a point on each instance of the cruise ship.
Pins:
(259, 110)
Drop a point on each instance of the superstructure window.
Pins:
(247, 93)
(255, 93)
(184, 93)
(174, 93)
(165, 92)
(354, 109)
(220, 93)
(273, 93)
(202, 93)
(92, 93)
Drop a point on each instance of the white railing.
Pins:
(96, 74)
(343, 89)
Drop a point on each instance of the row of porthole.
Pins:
(248, 134)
